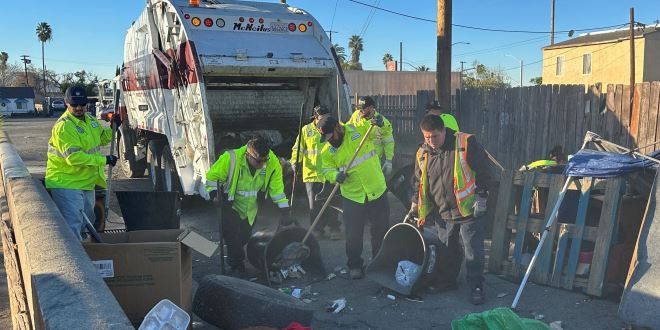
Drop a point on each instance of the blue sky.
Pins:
(89, 34)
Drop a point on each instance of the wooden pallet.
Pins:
(515, 224)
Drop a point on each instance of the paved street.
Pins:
(368, 306)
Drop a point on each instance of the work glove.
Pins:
(111, 160)
(387, 168)
(341, 177)
(412, 214)
(480, 205)
(285, 218)
(378, 121)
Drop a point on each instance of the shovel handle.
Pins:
(336, 187)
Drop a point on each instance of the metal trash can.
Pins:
(405, 242)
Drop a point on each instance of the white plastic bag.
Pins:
(407, 273)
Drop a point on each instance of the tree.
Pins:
(79, 78)
(386, 58)
(536, 81)
(341, 53)
(356, 44)
(44, 34)
(423, 68)
(4, 57)
(483, 77)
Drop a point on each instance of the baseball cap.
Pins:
(365, 101)
(75, 95)
(326, 126)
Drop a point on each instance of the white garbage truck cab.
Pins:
(198, 79)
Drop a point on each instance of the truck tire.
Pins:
(231, 303)
(154, 150)
(130, 167)
(171, 181)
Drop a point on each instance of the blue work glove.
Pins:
(111, 160)
(341, 177)
(378, 121)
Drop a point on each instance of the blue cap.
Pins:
(75, 95)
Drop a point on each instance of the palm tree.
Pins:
(44, 34)
(341, 53)
(4, 57)
(422, 68)
(356, 44)
(386, 58)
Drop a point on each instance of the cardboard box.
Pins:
(143, 267)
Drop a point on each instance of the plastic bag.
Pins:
(407, 273)
(497, 319)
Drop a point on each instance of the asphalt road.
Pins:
(368, 307)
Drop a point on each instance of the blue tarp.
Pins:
(603, 164)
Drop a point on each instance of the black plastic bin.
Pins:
(147, 210)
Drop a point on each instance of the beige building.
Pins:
(603, 57)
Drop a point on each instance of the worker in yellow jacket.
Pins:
(243, 173)
(309, 159)
(75, 163)
(362, 185)
(381, 137)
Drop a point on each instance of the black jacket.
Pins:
(441, 174)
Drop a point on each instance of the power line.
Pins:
(486, 29)
(367, 22)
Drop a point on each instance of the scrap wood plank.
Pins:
(610, 112)
(634, 113)
(545, 256)
(625, 138)
(523, 214)
(608, 217)
(499, 249)
(576, 241)
(642, 134)
(560, 253)
(654, 112)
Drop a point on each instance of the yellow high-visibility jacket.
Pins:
(310, 153)
(75, 160)
(381, 137)
(242, 187)
(365, 179)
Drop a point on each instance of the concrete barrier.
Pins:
(63, 288)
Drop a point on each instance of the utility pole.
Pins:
(632, 56)
(331, 32)
(443, 59)
(401, 55)
(26, 60)
(552, 23)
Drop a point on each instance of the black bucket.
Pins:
(265, 246)
(405, 242)
(149, 210)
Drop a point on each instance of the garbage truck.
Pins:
(200, 77)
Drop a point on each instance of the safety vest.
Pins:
(365, 179)
(75, 160)
(242, 187)
(464, 180)
(539, 163)
(310, 152)
(381, 137)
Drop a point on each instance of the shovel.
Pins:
(295, 252)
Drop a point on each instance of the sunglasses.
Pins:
(257, 159)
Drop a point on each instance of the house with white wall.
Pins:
(16, 100)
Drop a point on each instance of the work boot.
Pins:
(356, 273)
(477, 296)
(335, 234)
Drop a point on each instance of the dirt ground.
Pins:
(368, 306)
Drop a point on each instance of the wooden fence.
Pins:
(520, 125)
